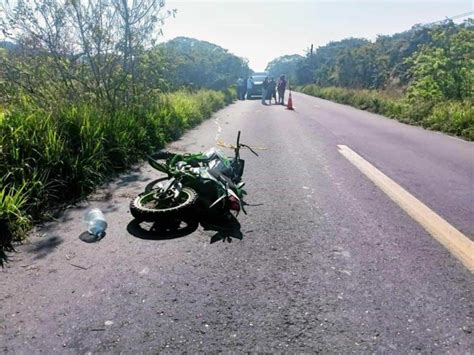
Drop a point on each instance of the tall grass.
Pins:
(13, 220)
(49, 158)
(453, 117)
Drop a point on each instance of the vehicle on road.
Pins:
(256, 90)
(209, 182)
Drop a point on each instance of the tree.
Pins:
(444, 69)
(287, 65)
(434, 62)
(321, 68)
(193, 63)
(90, 47)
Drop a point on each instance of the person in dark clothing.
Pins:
(272, 90)
(281, 87)
(265, 86)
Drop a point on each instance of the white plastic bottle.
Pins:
(96, 223)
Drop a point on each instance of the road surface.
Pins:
(328, 262)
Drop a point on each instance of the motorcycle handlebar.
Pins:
(241, 145)
(246, 146)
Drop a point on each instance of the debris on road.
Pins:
(80, 267)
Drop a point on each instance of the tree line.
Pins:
(428, 62)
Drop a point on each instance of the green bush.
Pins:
(49, 158)
(452, 117)
(13, 220)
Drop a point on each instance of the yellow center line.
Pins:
(457, 243)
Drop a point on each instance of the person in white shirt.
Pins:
(249, 86)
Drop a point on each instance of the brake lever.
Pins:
(246, 146)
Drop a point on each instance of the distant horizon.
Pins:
(372, 40)
(261, 31)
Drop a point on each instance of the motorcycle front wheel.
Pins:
(145, 207)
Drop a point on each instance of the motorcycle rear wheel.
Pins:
(143, 210)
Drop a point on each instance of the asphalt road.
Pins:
(327, 261)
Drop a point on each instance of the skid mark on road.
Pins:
(452, 239)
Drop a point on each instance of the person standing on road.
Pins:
(272, 90)
(249, 87)
(265, 86)
(281, 87)
(244, 88)
(240, 88)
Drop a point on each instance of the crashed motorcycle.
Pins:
(209, 182)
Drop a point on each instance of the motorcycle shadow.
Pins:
(226, 227)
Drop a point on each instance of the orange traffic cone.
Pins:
(289, 106)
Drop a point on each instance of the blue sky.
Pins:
(261, 30)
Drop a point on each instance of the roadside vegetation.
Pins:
(423, 76)
(85, 92)
(452, 117)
